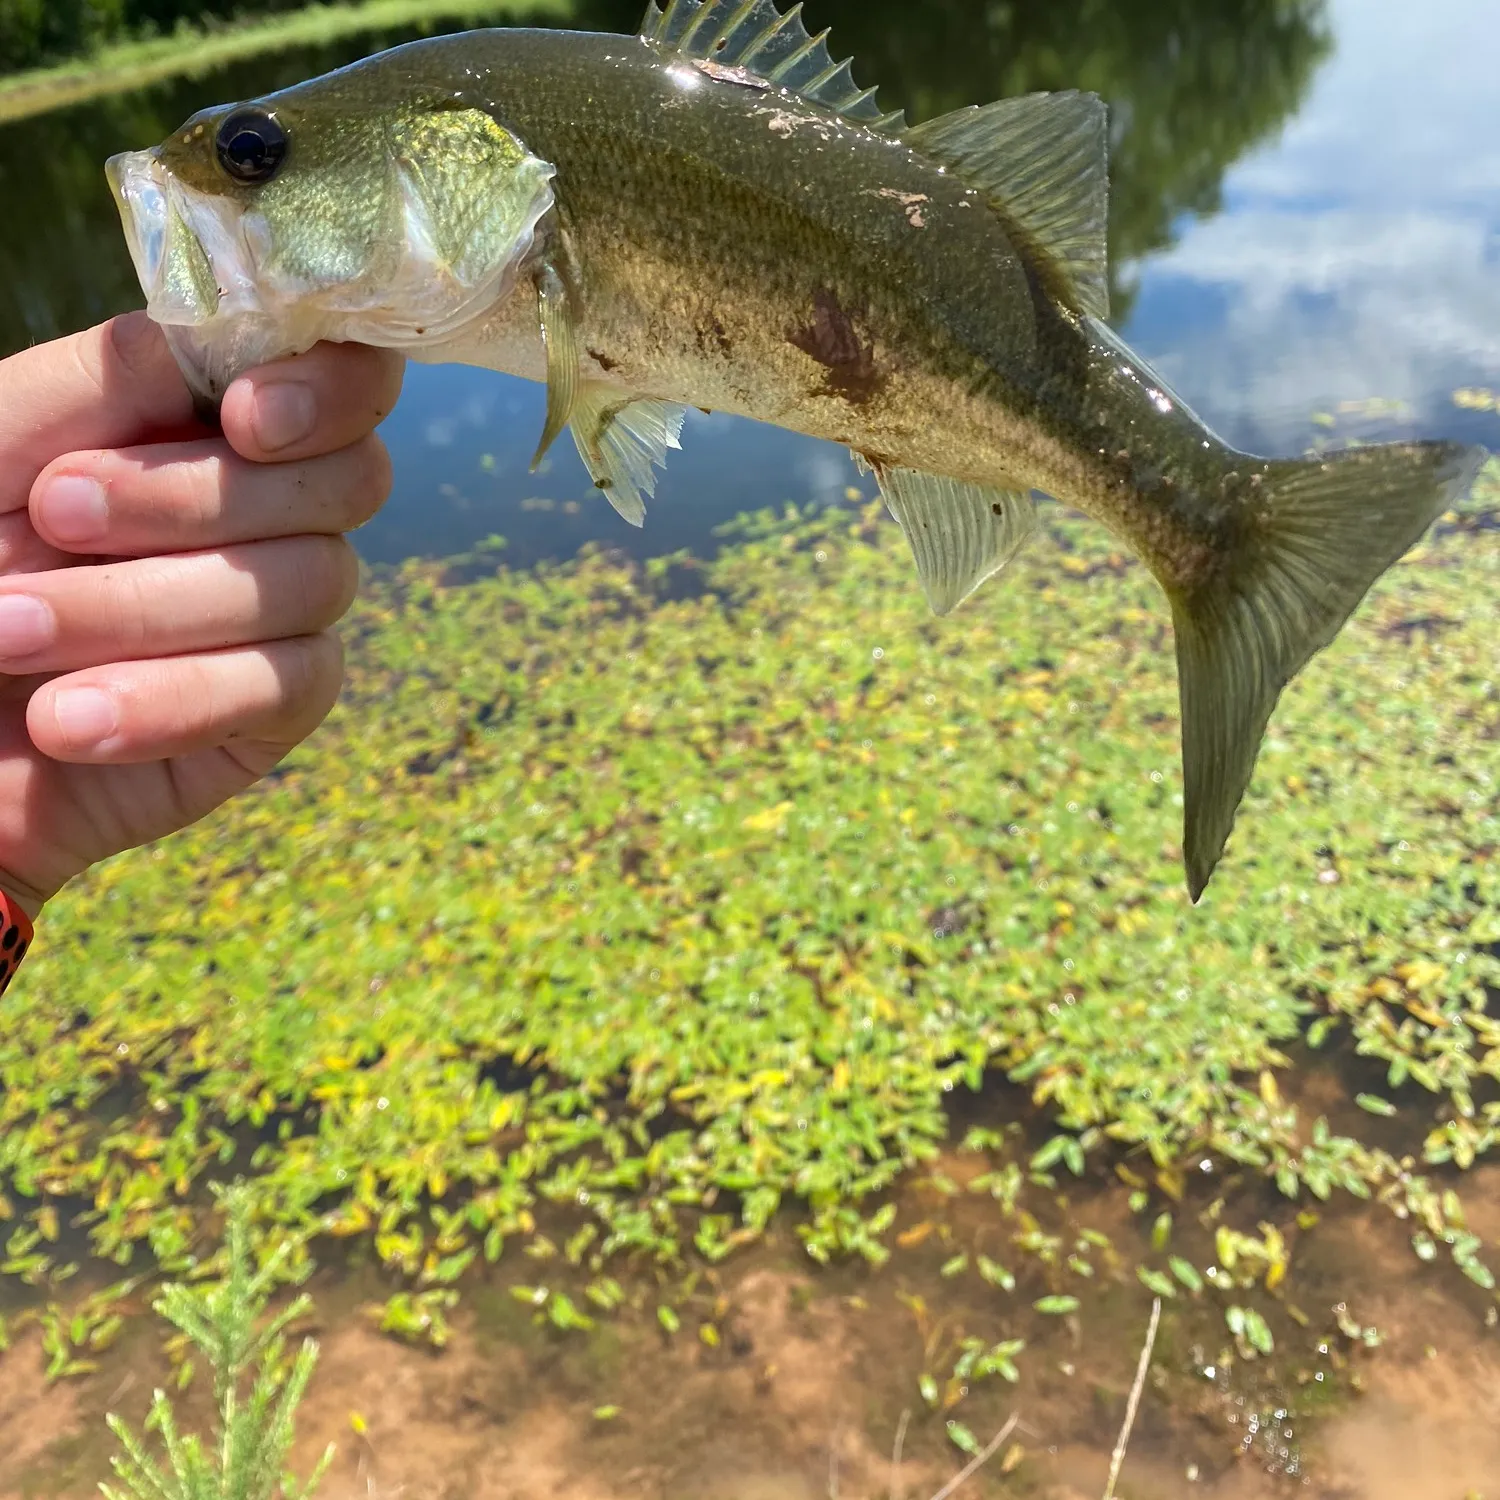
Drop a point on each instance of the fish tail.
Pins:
(1318, 535)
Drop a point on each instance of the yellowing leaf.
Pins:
(1422, 974)
(770, 820)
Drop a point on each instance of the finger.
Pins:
(316, 403)
(165, 606)
(112, 385)
(23, 551)
(273, 696)
(138, 502)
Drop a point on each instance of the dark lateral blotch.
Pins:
(833, 339)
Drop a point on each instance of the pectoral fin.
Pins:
(621, 441)
(621, 438)
(960, 534)
(560, 337)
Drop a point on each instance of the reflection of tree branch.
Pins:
(41, 31)
(1192, 84)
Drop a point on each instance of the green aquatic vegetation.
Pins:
(1251, 1333)
(604, 923)
(1477, 398)
(71, 1337)
(1057, 1306)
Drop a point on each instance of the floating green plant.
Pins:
(618, 911)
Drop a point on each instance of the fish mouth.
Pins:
(198, 275)
(229, 297)
(174, 267)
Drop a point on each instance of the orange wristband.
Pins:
(16, 933)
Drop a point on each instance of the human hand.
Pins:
(166, 594)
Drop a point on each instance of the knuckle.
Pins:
(134, 345)
(91, 361)
(392, 373)
(188, 498)
(122, 607)
(127, 361)
(327, 576)
(362, 382)
(310, 673)
(188, 694)
(321, 668)
(370, 481)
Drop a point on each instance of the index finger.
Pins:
(112, 386)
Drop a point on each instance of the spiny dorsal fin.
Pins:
(960, 534)
(772, 44)
(1043, 162)
(621, 441)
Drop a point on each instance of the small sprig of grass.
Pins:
(245, 1458)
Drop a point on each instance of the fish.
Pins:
(712, 214)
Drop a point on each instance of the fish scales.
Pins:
(662, 170)
(732, 245)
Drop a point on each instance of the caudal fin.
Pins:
(1324, 531)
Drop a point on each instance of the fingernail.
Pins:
(74, 508)
(84, 716)
(284, 413)
(27, 625)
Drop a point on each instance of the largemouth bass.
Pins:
(712, 214)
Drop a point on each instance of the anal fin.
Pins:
(621, 440)
(960, 534)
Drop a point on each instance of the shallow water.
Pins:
(1305, 217)
(810, 1380)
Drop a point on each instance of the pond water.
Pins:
(706, 917)
(1305, 220)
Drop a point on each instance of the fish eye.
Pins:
(251, 145)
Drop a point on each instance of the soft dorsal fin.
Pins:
(768, 43)
(1043, 162)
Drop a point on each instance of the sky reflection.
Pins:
(1359, 256)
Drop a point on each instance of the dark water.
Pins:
(1305, 217)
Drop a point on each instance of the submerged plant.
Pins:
(246, 1456)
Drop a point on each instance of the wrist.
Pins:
(24, 899)
(15, 936)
